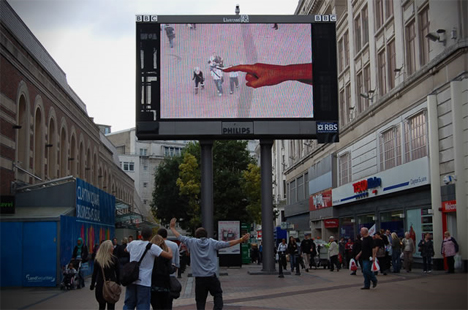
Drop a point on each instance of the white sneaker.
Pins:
(429, 271)
(220, 94)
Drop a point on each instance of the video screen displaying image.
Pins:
(208, 71)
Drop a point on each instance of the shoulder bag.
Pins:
(176, 287)
(131, 271)
(110, 289)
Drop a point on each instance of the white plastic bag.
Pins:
(352, 265)
(375, 265)
(458, 261)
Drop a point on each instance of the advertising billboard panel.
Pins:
(228, 77)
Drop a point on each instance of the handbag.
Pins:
(131, 270)
(110, 290)
(176, 287)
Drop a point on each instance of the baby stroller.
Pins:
(71, 277)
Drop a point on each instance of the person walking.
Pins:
(381, 252)
(160, 278)
(367, 256)
(204, 263)
(233, 81)
(170, 34)
(122, 255)
(175, 258)
(138, 294)
(184, 257)
(217, 75)
(282, 250)
(396, 252)
(293, 251)
(333, 251)
(449, 250)
(306, 247)
(426, 247)
(198, 78)
(107, 262)
(408, 250)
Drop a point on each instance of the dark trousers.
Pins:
(161, 300)
(427, 263)
(451, 264)
(334, 261)
(203, 285)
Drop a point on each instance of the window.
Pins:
(284, 188)
(172, 151)
(357, 33)
(391, 64)
(423, 31)
(145, 184)
(410, 48)
(346, 49)
(306, 185)
(343, 52)
(390, 149)
(382, 73)
(292, 192)
(348, 101)
(300, 188)
(359, 91)
(343, 109)
(127, 166)
(415, 137)
(365, 26)
(388, 8)
(143, 152)
(379, 14)
(145, 168)
(344, 169)
(367, 85)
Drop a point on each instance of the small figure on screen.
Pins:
(233, 81)
(216, 61)
(170, 34)
(218, 79)
(260, 74)
(275, 26)
(199, 79)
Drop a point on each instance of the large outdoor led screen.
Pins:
(236, 77)
(235, 45)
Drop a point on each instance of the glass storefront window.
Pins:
(347, 228)
(366, 220)
(393, 221)
(418, 223)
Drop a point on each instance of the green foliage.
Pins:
(167, 202)
(236, 185)
(252, 190)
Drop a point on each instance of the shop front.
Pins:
(397, 199)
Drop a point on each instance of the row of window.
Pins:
(415, 30)
(298, 189)
(392, 152)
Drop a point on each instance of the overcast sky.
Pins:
(93, 41)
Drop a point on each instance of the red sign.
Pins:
(320, 200)
(331, 223)
(259, 234)
(449, 206)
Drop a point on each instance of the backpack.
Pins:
(131, 270)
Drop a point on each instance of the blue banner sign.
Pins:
(93, 204)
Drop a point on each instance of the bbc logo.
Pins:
(147, 18)
(325, 18)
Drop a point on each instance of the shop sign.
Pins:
(320, 200)
(403, 177)
(259, 234)
(331, 223)
(449, 206)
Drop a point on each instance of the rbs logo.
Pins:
(327, 127)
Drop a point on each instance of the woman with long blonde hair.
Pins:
(106, 261)
(160, 281)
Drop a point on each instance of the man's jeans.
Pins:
(219, 85)
(367, 272)
(137, 296)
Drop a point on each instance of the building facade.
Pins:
(139, 159)
(401, 163)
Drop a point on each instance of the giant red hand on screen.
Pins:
(259, 74)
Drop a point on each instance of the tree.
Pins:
(167, 201)
(189, 185)
(252, 189)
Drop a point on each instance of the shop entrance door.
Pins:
(452, 224)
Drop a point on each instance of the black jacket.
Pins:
(84, 253)
(112, 273)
